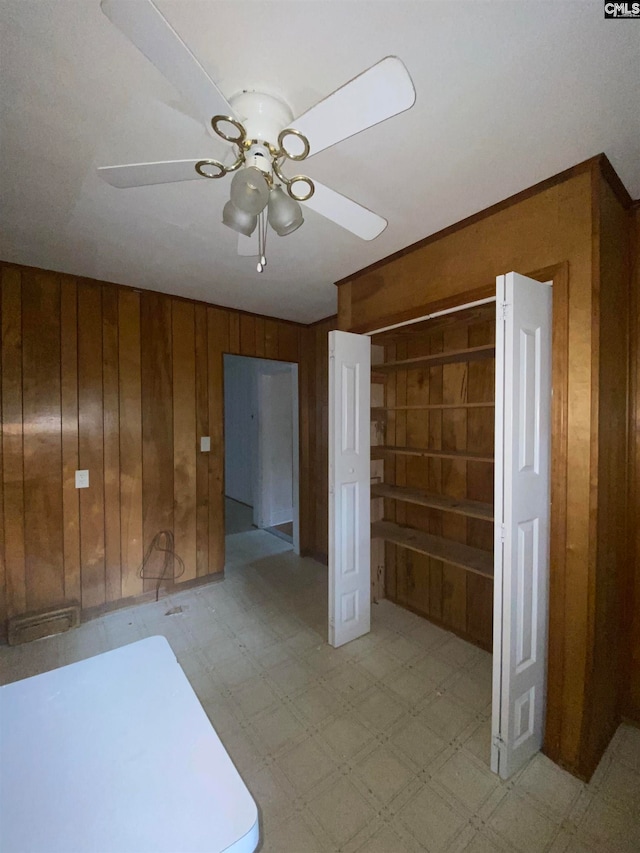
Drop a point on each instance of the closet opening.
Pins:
(440, 500)
(432, 469)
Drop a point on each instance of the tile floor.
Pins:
(380, 746)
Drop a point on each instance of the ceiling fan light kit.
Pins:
(285, 214)
(239, 220)
(263, 132)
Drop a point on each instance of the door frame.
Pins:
(295, 436)
(555, 276)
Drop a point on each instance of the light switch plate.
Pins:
(205, 444)
(82, 479)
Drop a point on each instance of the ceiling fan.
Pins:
(263, 135)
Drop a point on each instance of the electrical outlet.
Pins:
(205, 444)
(82, 479)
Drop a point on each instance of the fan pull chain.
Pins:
(262, 241)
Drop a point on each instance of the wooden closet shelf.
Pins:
(381, 410)
(378, 378)
(461, 506)
(451, 357)
(379, 451)
(455, 553)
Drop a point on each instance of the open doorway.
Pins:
(261, 447)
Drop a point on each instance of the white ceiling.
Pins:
(508, 93)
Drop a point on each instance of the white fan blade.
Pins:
(145, 174)
(248, 246)
(346, 213)
(385, 90)
(144, 25)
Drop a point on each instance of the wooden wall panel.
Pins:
(42, 443)
(12, 457)
(313, 352)
(219, 342)
(125, 383)
(111, 427)
(157, 430)
(247, 335)
(185, 439)
(90, 441)
(3, 568)
(70, 448)
(631, 705)
(202, 428)
(130, 408)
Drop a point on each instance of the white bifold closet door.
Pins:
(349, 487)
(522, 484)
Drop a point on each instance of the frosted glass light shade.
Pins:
(238, 220)
(249, 190)
(285, 214)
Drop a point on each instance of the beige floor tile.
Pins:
(621, 786)
(222, 649)
(235, 671)
(615, 830)
(387, 840)
(378, 709)
(482, 842)
(276, 728)
(417, 742)
(431, 820)
(254, 696)
(341, 810)
(404, 649)
(295, 835)
(350, 680)
(223, 715)
(522, 825)
(316, 703)
(628, 748)
(551, 786)
(474, 692)
(456, 652)
(384, 773)
(257, 638)
(305, 765)
(466, 778)
(432, 668)
(427, 634)
(270, 789)
(447, 717)
(273, 655)
(291, 677)
(479, 742)
(575, 845)
(379, 663)
(410, 686)
(345, 736)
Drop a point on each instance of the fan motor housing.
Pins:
(262, 115)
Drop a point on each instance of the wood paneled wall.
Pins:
(631, 660)
(566, 228)
(314, 367)
(122, 383)
(610, 354)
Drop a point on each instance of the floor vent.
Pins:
(34, 626)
